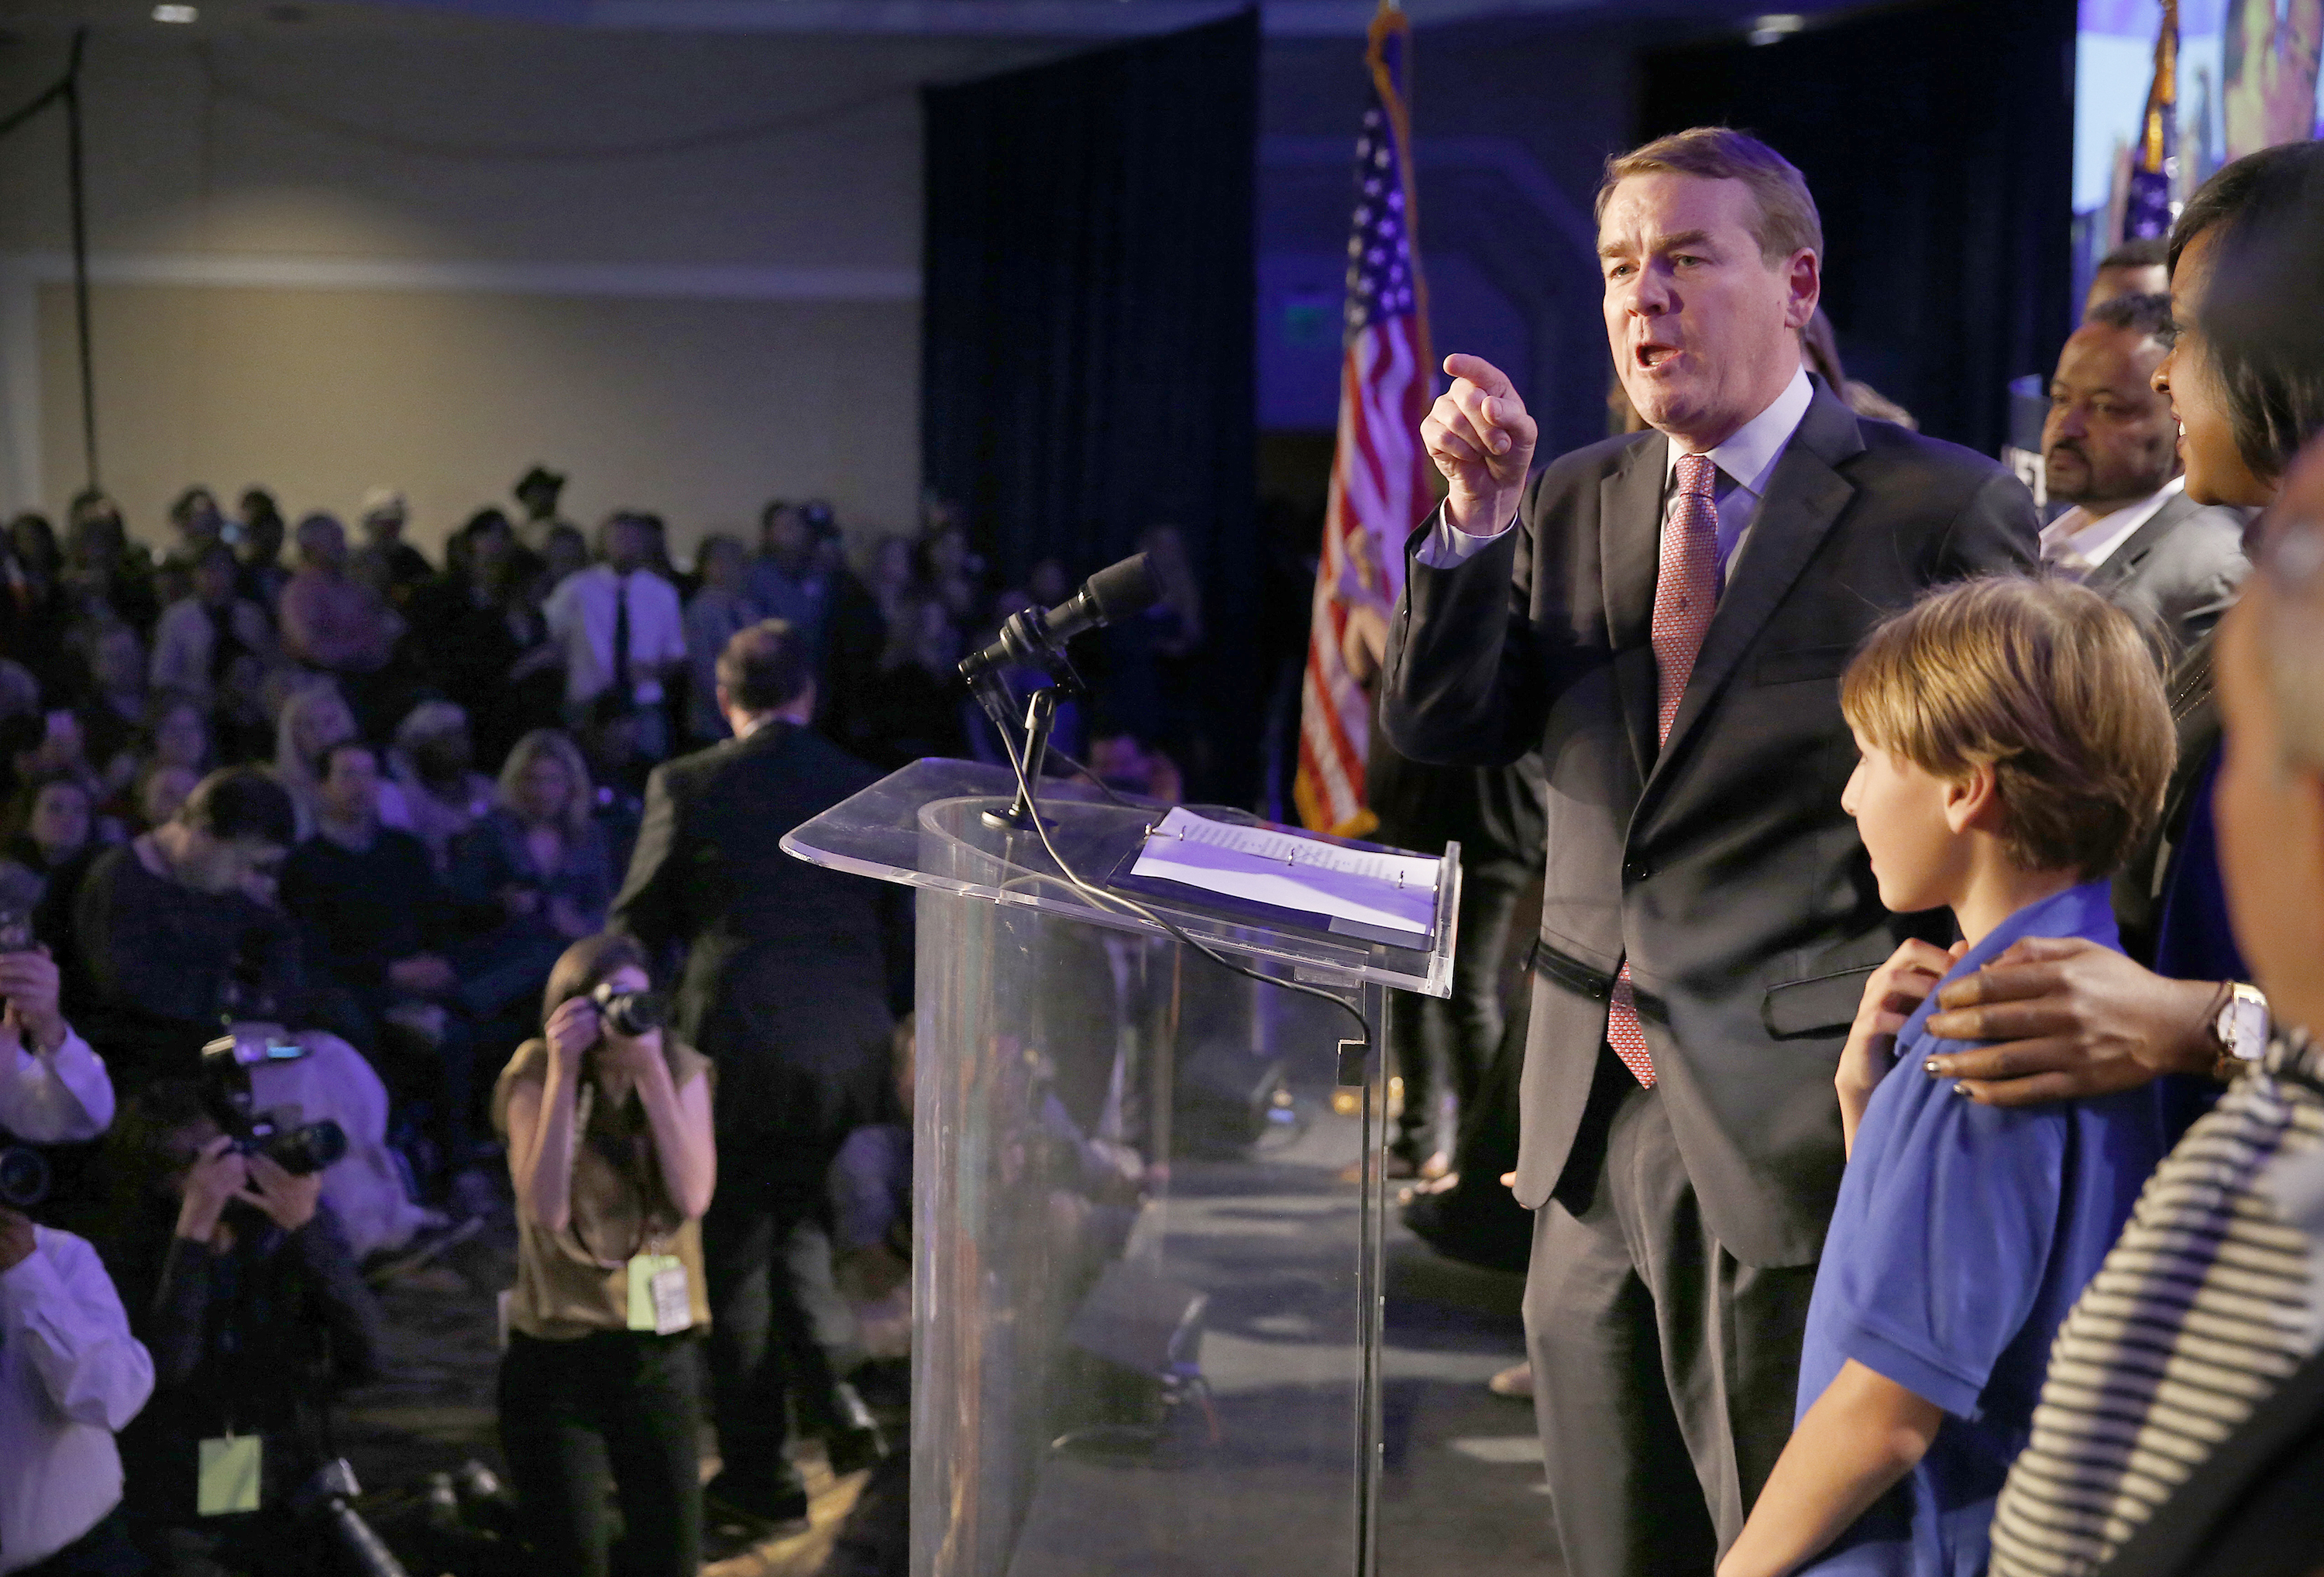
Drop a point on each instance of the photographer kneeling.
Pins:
(242, 1287)
(609, 1142)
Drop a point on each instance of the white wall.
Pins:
(419, 296)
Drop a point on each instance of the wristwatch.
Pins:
(2241, 1029)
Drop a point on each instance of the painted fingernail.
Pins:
(1931, 1066)
(1961, 1090)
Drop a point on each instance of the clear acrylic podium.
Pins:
(1147, 1205)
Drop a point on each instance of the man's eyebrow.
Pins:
(1677, 238)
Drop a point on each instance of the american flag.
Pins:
(1380, 473)
(2153, 172)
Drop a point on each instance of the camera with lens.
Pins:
(299, 1148)
(25, 1176)
(629, 1013)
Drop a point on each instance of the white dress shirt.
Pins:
(2078, 541)
(1746, 462)
(580, 614)
(71, 1375)
(59, 1100)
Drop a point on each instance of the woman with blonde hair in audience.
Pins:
(534, 875)
(313, 719)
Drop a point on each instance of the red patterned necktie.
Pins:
(1686, 589)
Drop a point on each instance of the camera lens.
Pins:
(23, 1177)
(302, 1151)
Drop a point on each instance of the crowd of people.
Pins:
(349, 825)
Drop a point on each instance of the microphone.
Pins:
(1119, 591)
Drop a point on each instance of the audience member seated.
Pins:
(433, 762)
(2111, 449)
(378, 925)
(178, 735)
(314, 719)
(176, 927)
(71, 1374)
(787, 581)
(105, 572)
(610, 1148)
(331, 622)
(1124, 764)
(477, 634)
(534, 875)
(914, 708)
(34, 615)
(215, 646)
(622, 632)
(564, 553)
(246, 1292)
(161, 788)
(720, 609)
(112, 714)
(390, 563)
(51, 824)
(260, 549)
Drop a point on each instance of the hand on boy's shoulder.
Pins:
(2066, 1018)
(1891, 994)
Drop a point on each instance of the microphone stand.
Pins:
(1027, 636)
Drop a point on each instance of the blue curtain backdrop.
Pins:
(1087, 350)
(1939, 141)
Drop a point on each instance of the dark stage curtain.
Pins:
(1939, 141)
(1087, 350)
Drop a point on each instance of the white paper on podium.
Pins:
(1392, 892)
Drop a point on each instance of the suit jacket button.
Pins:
(1636, 868)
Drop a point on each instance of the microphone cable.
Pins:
(1364, 1038)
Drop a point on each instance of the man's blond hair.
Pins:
(1787, 222)
(2044, 680)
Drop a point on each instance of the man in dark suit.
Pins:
(786, 988)
(1666, 617)
(2111, 449)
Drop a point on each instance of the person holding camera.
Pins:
(248, 1296)
(608, 1127)
(70, 1372)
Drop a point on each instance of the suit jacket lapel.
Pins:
(1629, 551)
(1803, 498)
(2123, 562)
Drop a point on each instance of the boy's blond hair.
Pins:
(2045, 680)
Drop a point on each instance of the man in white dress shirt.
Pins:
(2111, 449)
(622, 632)
(70, 1373)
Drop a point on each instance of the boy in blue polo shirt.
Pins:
(2016, 743)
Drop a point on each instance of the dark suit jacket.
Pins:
(1722, 867)
(2180, 569)
(785, 985)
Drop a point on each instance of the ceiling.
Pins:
(1061, 19)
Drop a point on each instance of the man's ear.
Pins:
(1804, 276)
(1973, 801)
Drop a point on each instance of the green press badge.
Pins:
(227, 1481)
(657, 1295)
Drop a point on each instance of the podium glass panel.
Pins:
(1147, 1205)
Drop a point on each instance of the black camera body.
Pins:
(302, 1149)
(631, 1013)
